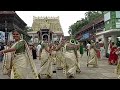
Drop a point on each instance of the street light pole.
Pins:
(94, 32)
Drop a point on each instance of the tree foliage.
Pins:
(28, 29)
(89, 16)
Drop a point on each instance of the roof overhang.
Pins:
(109, 32)
(32, 32)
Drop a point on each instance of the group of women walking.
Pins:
(20, 64)
(64, 55)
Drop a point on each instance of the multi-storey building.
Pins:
(88, 32)
(112, 27)
(10, 21)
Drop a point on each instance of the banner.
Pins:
(2, 36)
(85, 36)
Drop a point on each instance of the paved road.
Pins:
(104, 71)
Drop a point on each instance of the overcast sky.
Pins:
(67, 18)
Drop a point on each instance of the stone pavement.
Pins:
(103, 71)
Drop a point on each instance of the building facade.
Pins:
(112, 20)
(10, 21)
(112, 27)
(34, 37)
(46, 29)
(88, 32)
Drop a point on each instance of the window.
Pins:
(117, 14)
(118, 20)
(107, 16)
(117, 24)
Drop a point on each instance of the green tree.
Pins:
(89, 16)
(28, 29)
(26, 36)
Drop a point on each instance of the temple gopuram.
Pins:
(46, 29)
(10, 21)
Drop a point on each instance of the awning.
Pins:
(109, 32)
(32, 32)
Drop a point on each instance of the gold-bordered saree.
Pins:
(23, 66)
(92, 58)
(71, 62)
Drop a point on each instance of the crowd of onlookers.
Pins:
(33, 48)
(111, 54)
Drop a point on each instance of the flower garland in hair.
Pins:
(72, 41)
(76, 43)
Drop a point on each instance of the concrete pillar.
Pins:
(113, 38)
(49, 36)
(52, 37)
(106, 44)
(10, 37)
(32, 39)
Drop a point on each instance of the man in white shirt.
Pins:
(102, 49)
(39, 50)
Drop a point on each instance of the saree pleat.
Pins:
(59, 59)
(46, 64)
(6, 63)
(71, 63)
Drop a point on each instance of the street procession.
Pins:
(44, 49)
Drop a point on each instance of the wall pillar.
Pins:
(33, 38)
(113, 38)
(49, 36)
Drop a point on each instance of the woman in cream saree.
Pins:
(59, 56)
(71, 61)
(92, 59)
(117, 70)
(7, 62)
(22, 65)
(46, 61)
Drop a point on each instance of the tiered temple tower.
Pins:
(47, 28)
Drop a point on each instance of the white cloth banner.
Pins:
(2, 36)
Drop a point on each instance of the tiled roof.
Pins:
(98, 20)
(7, 12)
(12, 13)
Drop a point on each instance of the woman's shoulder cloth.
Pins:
(22, 41)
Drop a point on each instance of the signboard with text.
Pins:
(2, 36)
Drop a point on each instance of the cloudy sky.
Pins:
(67, 18)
